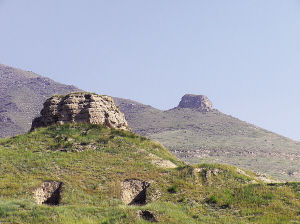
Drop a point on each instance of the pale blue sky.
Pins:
(243, 54)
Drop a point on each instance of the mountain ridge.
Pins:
(22, 94)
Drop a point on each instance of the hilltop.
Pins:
(22, 94)
(196, 132)
(95, 174)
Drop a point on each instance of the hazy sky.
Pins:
(243, 54)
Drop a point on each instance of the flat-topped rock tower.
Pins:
(81, 107)
(198, 102)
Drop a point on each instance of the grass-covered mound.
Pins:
(92, 162)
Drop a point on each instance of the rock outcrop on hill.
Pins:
(81, 107)
(198, 102)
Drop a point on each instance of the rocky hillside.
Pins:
(87, 173)
(22, 94)
(195, 132)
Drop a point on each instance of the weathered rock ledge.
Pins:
(81, 108)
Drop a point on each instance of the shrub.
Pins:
(2, 213)
(213, 199)
(173, 189)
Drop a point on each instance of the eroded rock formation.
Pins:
(48, 193)
(198, 102)
(134, 192)
(81, 108)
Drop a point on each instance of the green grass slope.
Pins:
(92, 161)
(215, 137)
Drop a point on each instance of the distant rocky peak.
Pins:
(198, 102)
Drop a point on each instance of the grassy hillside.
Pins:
(191, 136)
(93, 161)
(215, 137)
(22, 94)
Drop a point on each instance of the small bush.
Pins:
(269, 196)
(213, 199)
(143, 138)
(173, 189)
(2, 213)
(182, 199)
(103, 140)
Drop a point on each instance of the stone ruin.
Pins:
(81, 108)
(134, 191)
(197, 102)
(48, 193)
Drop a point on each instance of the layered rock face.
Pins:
(81, 108)
(198, 102)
